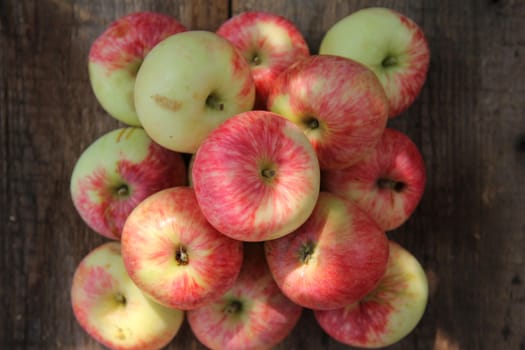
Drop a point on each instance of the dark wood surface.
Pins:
(468, 232)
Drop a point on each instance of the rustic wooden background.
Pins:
(469, 231)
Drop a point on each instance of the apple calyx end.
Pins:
(214, 102)
(388, 184)
(121, 191)
(181, 256)
(120, 299)
(255, 59)
(389, 61)
(268, 173)
(312, 123)
(234, 307)
(306, 251)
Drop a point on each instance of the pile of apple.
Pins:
(253, 180)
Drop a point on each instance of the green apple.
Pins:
(390, 44)
(189, 84)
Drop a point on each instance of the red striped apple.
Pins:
(387, 314)
(338, 103)
(269, 42)
(390, 44)
(334, 259)
(116, 55)
(256, 177)
(112, 310)
(388, 184)
(189, 84)
(253, 314)
(174, 255)
(116, 172)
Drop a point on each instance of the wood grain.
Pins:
(468, 232)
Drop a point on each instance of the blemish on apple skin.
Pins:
(166, 102)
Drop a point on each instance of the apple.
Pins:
(338, 103)
(256, 177)
(116, 55)
(189, 84)
(334, 259)
(390, 44)
(269, 42)
(252, 314)
(174, 255)
(386, 315)
(112, 310)
(116, 172)
(388, 184)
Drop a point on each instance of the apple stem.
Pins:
(181, 256)
(268, 173)
(312, 123)
(256, 60)
(388, 184)
(122, 190)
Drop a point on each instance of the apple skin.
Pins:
(339, 104)
(174, 255)
(388, 313)
(188, 85)
(269, 42)
(388, 184)
(253, 314)
(113, 311)
(116, 55)
(390, 44)
(116, 172)
(335, 258)
(256, 177)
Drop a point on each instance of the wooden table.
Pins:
(469, 121)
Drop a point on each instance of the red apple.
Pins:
(116, 172)
(335, 258)
(269, 42)
(338, 103)
(390, 44)
(174, 255)
(253, 314)
(256, 177)
(388, 184)
(386, 315)
(112, 310)
(117, 54)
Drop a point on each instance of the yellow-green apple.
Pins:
(387, 314)
(335, 258)
(269, 42)
(256, 176)
(174, 255)
(390, 44)
(187, 85)
(116, 55)
(388, 184)
(116, 172)
(113, 310)
(252, 314)
(338, 103)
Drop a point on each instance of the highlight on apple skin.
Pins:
(338, 103)
(256, 177)
(252, 314)
(387, 314)
(113, 311)
(269, 42)
(388, 184)
(390, 44)
(174, 255)
(116, 172)
(188, 85)
(116, 55)
(335, 258)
